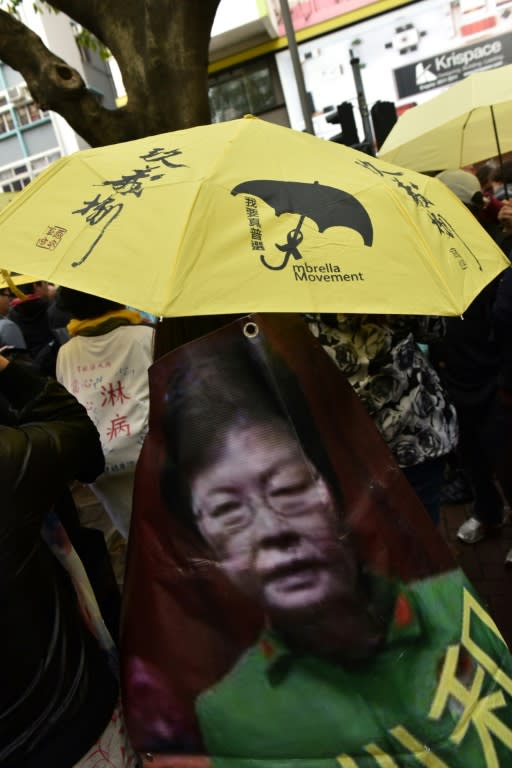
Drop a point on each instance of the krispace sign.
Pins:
(445, 68)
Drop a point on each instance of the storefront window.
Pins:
(247, 90)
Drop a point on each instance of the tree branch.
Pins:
(44, 72)
(161, 47)
(55, 85)
(89, 13)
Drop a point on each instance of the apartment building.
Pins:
(30, 138)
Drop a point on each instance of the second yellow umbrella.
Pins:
(469, 122)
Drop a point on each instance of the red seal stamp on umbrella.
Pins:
(51, 238)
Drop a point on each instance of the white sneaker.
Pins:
(471, 531)
(508, 558)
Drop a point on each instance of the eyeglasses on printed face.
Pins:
(295, 493)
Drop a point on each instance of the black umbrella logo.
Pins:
(326, 206)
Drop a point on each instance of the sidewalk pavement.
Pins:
(483, 564)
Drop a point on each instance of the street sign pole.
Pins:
(361, 98)
(297, 67)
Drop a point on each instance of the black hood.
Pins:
(32, 318)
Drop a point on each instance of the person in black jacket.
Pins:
(29, 310)
(34, 314)
(502, 311)
(57, 693)
(469, 359)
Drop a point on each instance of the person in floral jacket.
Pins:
(379, 355)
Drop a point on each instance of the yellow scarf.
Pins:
(76, 326)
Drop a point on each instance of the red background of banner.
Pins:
(184, 625)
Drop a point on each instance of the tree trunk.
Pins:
(161, 47)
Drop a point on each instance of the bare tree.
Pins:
(161, 47)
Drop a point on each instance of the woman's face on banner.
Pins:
(272, 522)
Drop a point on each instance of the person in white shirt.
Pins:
(105, 366)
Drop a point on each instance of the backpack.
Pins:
(46, 358)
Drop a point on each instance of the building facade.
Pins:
(407, 52)
(31, 139)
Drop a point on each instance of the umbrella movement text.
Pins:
(324, 273)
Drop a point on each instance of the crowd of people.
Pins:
(59, 699)
(74, 402)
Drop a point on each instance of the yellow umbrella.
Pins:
(13, 279)
(469, 122)
(248, 216)
(6, 198)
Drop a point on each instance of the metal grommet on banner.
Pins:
(251, 330)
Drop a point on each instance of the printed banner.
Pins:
(287, 600)
(446, 68)
(306, 13)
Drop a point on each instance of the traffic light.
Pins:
(344, 115)
(383, 114)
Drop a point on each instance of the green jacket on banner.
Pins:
(438, 695)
